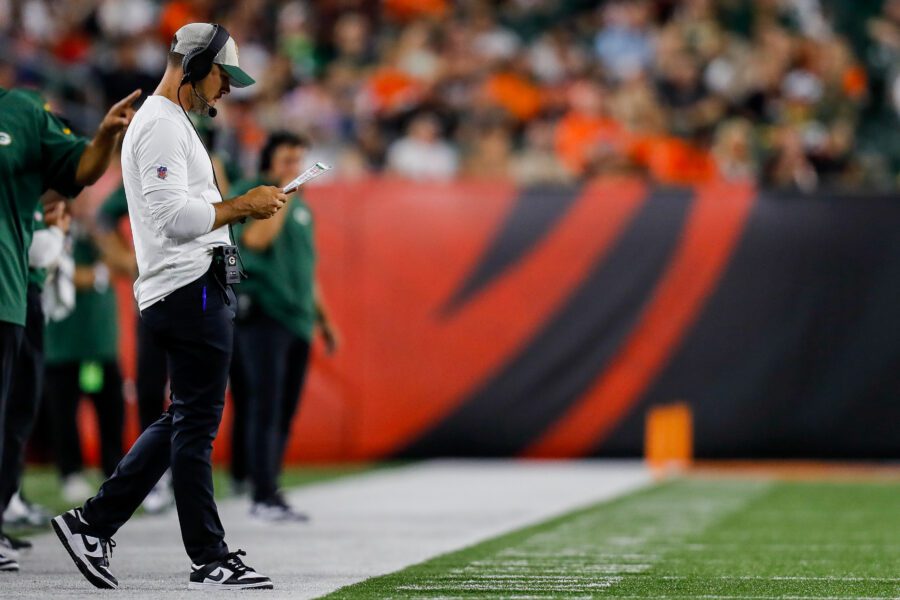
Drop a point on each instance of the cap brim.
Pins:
(237, 77)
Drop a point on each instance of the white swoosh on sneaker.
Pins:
(93, 549)
(219, 575)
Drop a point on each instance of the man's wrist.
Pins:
(230, 211)
(105, 136)
(240, 209)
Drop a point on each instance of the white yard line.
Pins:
(362, 526)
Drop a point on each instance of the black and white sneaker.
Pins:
(89, 552)
(228, 573)
(14, 546)
(9, 556)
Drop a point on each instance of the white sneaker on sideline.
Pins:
(159, 500)
(19, 512)
(76, 489)
(276, 510)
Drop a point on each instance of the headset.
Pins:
(197, 63)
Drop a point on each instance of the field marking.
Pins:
(590, 552)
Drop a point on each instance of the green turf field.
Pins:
(687, 538)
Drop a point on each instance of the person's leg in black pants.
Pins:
(10, 340)
(24, 400)
(110, 407)
(197, 338)
(264, 343)
(63, 394)
(240, 398)
(151, 377)
(295, 376)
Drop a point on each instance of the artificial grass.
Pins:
(683, 539)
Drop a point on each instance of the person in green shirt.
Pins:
(278, 310)
(81, 355)
(37, 152)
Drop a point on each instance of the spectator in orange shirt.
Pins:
(512, 90)
(181, 12)
(588, 140)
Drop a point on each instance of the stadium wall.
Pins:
(483, 320)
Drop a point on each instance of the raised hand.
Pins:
(119, 116)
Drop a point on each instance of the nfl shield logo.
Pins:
(162, 172)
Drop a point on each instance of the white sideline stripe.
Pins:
(362, 526)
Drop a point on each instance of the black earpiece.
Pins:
(197, 63)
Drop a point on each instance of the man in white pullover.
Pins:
(178, 219)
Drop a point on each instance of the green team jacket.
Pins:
(37, 152)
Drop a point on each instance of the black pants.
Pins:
(194, 325)
(240, 393)
(63, 396)
(10, 340)
(24, 399)
(275, 361)
(151, 376)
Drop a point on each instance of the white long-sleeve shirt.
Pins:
(170, 189)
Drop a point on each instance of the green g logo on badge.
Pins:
(5, 139)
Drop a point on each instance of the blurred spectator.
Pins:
(176, 13)
(790, 168)
(406, 10)
(556, 56)
(415, 53)
(691, 107)
(625, 44)
(733, 151)
(490, 40)
(124, 73)
(422, 153)
(512, 90)
(295, 40)
(491, 156)
(119, 18)
(625, 84)
(588, 139)
(884, 32)
(537, 162)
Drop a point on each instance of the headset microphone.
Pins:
(210, 109)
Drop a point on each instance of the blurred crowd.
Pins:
(794, 94)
